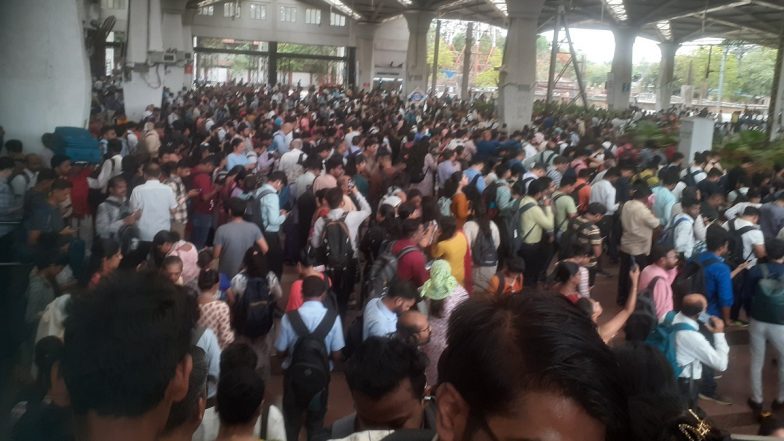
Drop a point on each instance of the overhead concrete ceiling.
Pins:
(678, 21)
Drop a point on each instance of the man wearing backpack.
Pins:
(564, 207)
(310, 339)
(763, 284)
(410, 258)
(534, 221)
(746, 246)
(696, 357)
(336, 236)
(685, 231)
(114, 212)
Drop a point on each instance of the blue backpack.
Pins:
(663, 339)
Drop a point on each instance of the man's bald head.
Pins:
(413, 327)
(693, 305)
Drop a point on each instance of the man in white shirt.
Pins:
(693, 349)
(685, 233)
(21, 182)
(747, 227)
(155, 201)
(291, 162)
(603, 191)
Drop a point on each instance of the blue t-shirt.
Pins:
(378, 320)
(718, 283)
(235, 159)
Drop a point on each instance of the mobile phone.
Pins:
(633, 264)
(704, 317)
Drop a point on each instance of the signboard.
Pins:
(416, 95)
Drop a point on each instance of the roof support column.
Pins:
(416, 56)
(775, 123)
(144, 84)
(469, 46)
(666, 73)
(619, 82)
(364, 33)
(45, 75)
(517, 79)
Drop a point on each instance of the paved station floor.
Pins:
(734, 383)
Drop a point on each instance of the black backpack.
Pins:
(309, 371)
(254, 313)
(253, 208)
(689, 179)
(336, 244)
(353, 337)
(691, 278)
(735, 255)
(643, 320)
(483, 250)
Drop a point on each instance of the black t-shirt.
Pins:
(44, 422)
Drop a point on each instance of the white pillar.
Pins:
(416, 56)
(172, 28)
(146, 83)
(666, 73)
(775, 117)
(45, 76)
(518, 72)
(364, 33)
(619, 83)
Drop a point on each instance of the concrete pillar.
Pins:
(187, 46)
(469, 46)
(436, 49)
(145, 85)
(619, 83)
(364, 33)
(775, 123)
(174, 75)
(666, 73)
(45, 73)
(416, 56)
(518, 72)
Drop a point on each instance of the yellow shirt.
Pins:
(453, 250)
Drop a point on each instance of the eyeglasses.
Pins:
(427, 330)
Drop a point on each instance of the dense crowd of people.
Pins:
(444, 263)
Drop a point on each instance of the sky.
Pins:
(598, 46)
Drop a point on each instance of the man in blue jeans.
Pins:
(718, 291)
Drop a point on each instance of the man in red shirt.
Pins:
(203, 203)
(411, 262)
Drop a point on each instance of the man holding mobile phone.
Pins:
(695, 353)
